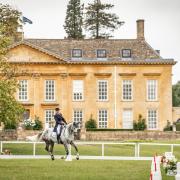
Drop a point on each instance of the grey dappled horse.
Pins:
(67, 138)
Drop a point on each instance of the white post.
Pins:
(34, 149)
(177, 177)
(135, 149)
(102, 149)
(172, 148)
(115, 96)
(1, 146)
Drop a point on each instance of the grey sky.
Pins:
(162, 22)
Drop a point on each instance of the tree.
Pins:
(10, 19)
(10, 110)
(99, 22)
(176, 94)
(74, 19)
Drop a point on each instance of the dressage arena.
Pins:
(98, 160)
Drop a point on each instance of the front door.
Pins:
(127, 119)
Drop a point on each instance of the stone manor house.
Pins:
(114, 80)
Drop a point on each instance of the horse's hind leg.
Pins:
(51, 150)
(75, 147)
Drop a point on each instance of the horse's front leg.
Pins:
(66, 149)
(75, 147)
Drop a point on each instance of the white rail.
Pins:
(137, 146)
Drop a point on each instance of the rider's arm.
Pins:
(63, 119)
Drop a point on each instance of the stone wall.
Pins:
(22, 134)
(8, 135)
(133, 135)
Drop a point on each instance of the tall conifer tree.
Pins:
(99, 22)
(74, 19)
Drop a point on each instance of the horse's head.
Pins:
(74, 127)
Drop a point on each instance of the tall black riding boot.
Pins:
(58, 138)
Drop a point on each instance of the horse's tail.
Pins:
(37, 137)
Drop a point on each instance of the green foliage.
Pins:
(168, 127)
(35, 124)
(10, 20)
(140, 125)
(10, 110)
(176, 94)
(91, 123)
(38, 124)
(98, 21)
(74, 19)
(178, 126)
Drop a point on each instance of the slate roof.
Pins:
(142, 52)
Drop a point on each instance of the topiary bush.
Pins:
(168, 126)
(91, 123)
(140, 125)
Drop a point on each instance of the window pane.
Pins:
(102, 117)
(76, 53)
(78, 116)
(152, 89)
(50, 90)
(101, 53)
(23, 90)
(126, 53)
(49, 118)
(102, 90)
(152, 119)
(127, 90)
(77, 90)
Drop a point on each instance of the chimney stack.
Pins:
(140, 29)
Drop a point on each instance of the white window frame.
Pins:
(148, 127)
(27, 91)
(123, 117)
(98, 90)
(78, 57)
(80, 94)
(102, 117)
(45, 97)
(156, 90)
(78, 116)
(51, 112)
(131, 95)
(101, 58)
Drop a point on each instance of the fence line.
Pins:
(137, 146)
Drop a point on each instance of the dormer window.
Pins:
(101, 53)
(126, 53)
(76, 53)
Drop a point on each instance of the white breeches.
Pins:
(58, 129)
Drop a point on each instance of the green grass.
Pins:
(75, 170)
(95, 150)
(83, 169)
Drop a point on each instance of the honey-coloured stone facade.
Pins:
(51, 60)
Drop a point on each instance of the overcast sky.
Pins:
(162, 22)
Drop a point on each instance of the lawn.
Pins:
(95, 150)
(83, 169)
(75, 170)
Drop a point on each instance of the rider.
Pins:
(59, 121)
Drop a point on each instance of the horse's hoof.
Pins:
(52, 157)
(77, 158)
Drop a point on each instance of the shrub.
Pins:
(10, 125)
(140, 125)
(91, 123)
(168, 126)
(38, 124)
(30, 125)
(178, 126)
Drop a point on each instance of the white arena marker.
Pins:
(177, 177)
